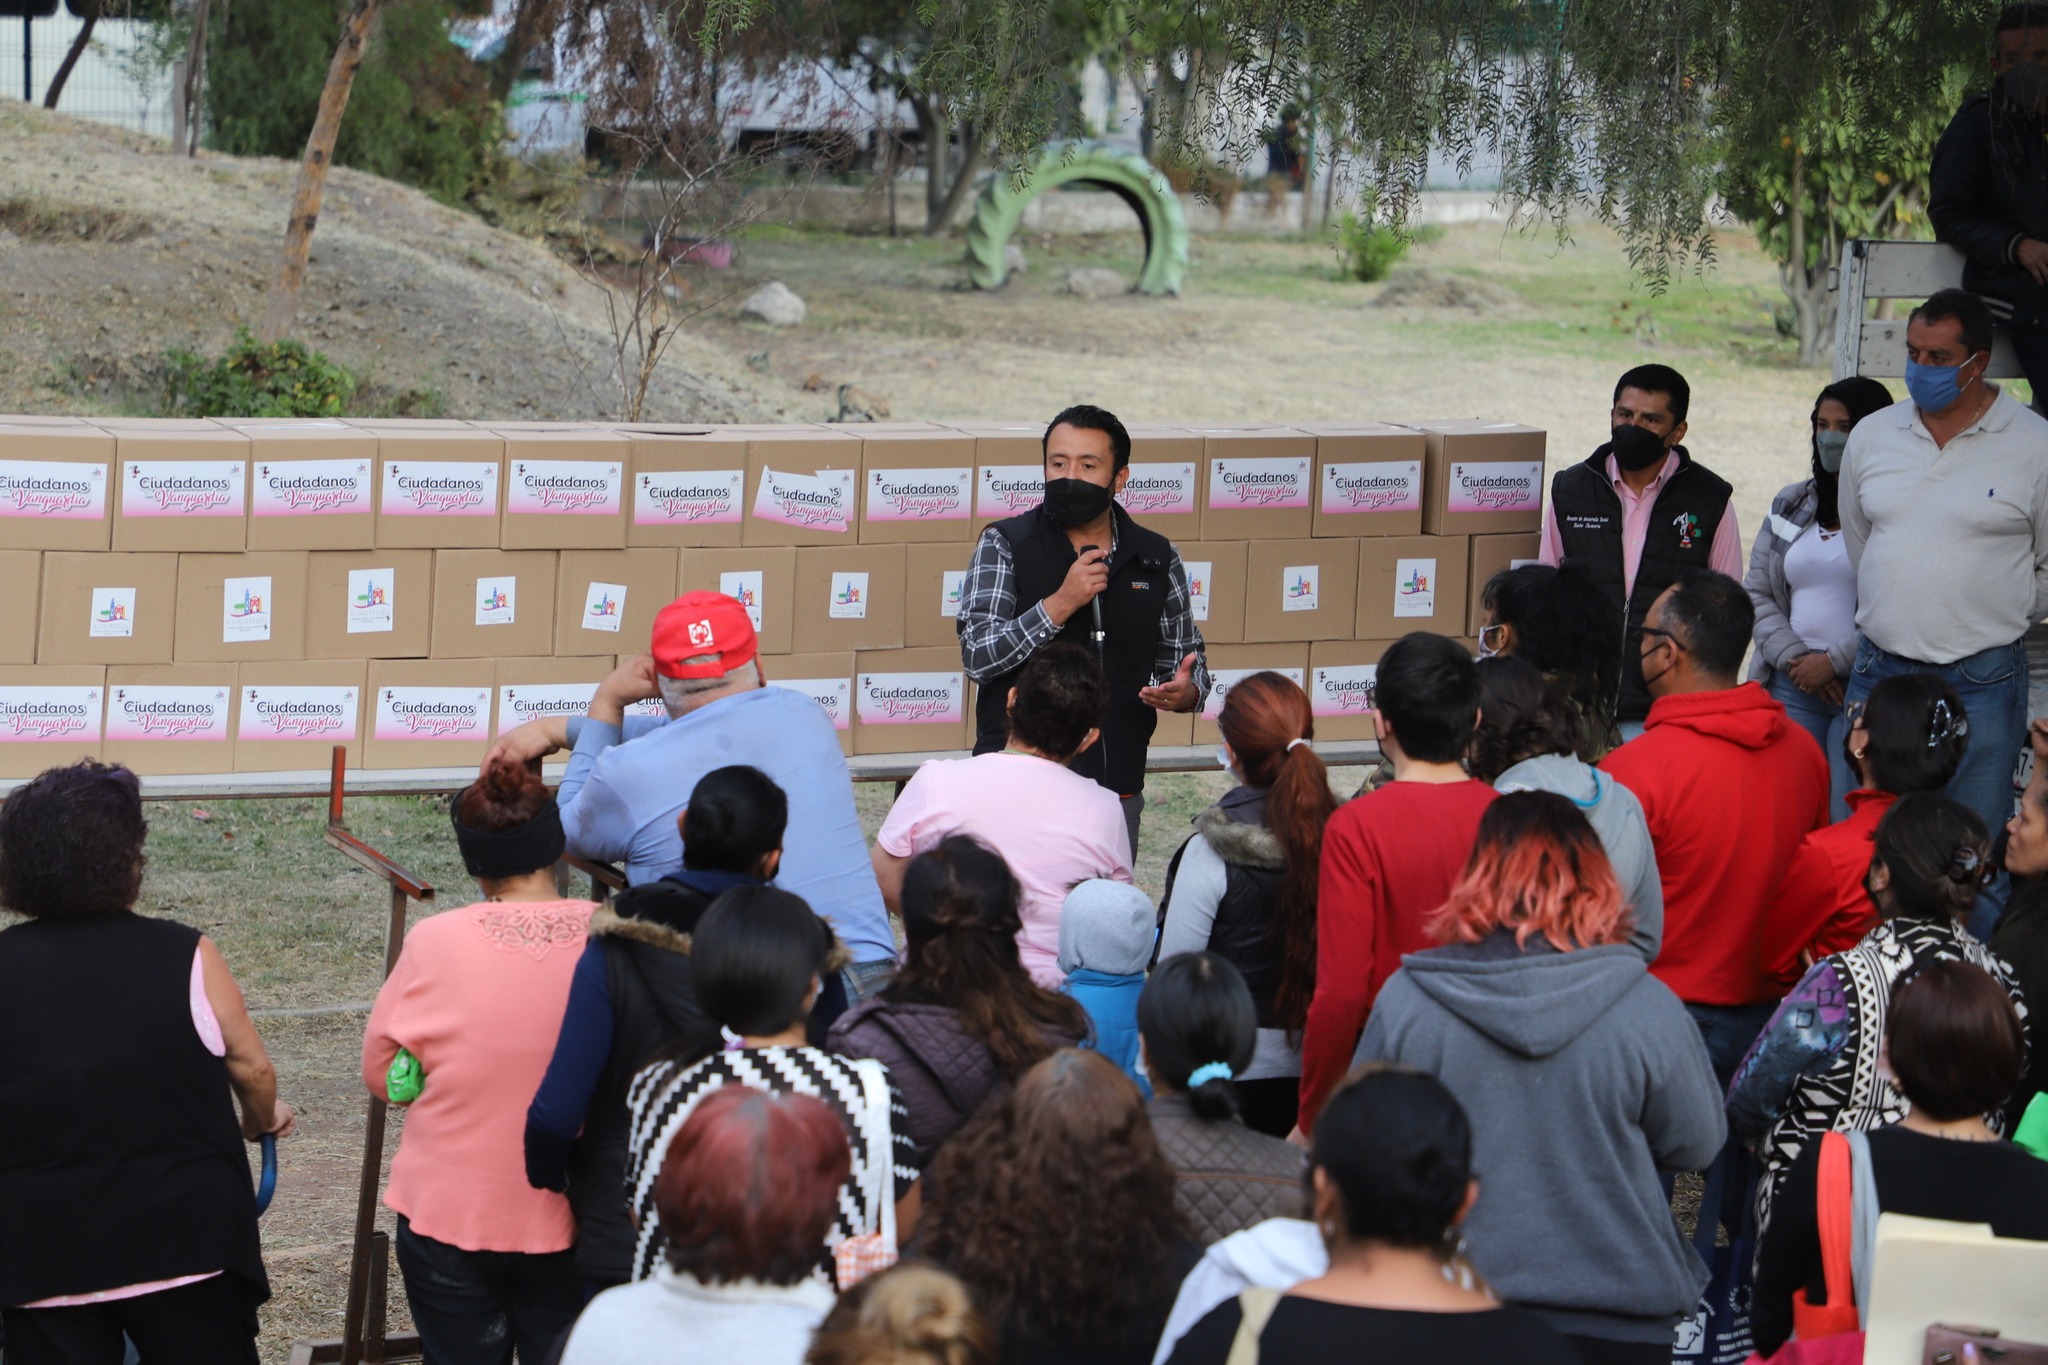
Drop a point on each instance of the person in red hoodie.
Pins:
(1910, 737)
(1730, 785)
(1391, 856)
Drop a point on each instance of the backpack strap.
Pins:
(1256, 1305)
(1834, 1209)
(1863, 1220)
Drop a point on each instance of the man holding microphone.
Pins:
(1077, 568)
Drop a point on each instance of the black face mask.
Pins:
(1644, 678)
(1635, 449)
(1075, 502)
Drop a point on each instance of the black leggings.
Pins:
(208, 1323)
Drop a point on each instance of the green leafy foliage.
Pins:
(1368, 250)
(256, 379)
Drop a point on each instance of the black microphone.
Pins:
(1095, 609)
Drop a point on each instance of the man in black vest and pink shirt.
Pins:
(1638, 512)
(1039, 576)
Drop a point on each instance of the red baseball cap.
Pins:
(698, 623)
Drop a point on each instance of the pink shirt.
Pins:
(1724, 556)
(477, 996)
(1055, 829)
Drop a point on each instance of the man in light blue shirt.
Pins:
(629, 778)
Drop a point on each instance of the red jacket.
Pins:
(1822, 905)
(1729, 786)
(1390, 859)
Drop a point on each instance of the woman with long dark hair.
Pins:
(1558, 620)
(1244, 884)
(1055, 1208)
(962, 1019)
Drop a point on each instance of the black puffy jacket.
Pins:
(1989, 190)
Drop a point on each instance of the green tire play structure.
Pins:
(1124, 174)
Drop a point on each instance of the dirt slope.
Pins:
(112, 250)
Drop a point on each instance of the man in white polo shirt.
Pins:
(1944, 501)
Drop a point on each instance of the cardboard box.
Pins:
(245, 608)
(21, 603)
(369, 604)
(171, 718)
(428, 713)
(1176, 730)
(410, 423)
(1300, 590)
(1482, 478)
(1168, 479)
(1216, 582)
(910, 701)
(849, 598)
(493, 603)
(1410, 583)
(763, 578)
(606, 600)
(565, 489)
(1491, 555)
(536, 689)
(1341, 676)
(825, 678)
(1369, 480)
(439, 487)
(1009, 470)
(181, 488)
(688, 486)
(802, 489)
(50, 716)
(933, 576)
(289, 716)
(312, 485)
(53, 487)
(1228, 663)
(1260, 482)
(916, 488)
(107, 608)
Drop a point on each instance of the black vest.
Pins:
(1680, 535)
(1131, 609)
(1253, 867)
(121, 1157)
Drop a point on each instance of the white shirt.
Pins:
(676, 1320)
(1823, 586)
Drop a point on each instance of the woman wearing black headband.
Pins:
(476, 999)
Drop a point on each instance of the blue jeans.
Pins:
(1993, 686)
(1828, 725)
(476, 1307)
(1728, 1031)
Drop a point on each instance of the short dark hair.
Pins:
(1955, 1042)
(753, 957)
(1937, 853)
(1398, 1147)
(1658, 379)
(1061, 696)
(1429, 692)
(1088, 417)
(1714, 619)
(2016, 17)
(71, 842)
(1966, 309)
(1912, 743)
(736, 817)
(1195, 1010)
(1520, 716)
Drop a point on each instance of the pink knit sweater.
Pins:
(477, 997)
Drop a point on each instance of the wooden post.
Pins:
(195, 76)
(298, 233)
(78, 44)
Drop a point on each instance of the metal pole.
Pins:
(28, 61)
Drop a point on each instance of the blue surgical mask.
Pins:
(1223, 759)
(1934, 387)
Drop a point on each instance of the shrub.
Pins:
(255, 379)
(1368, 251)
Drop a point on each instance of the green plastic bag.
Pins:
(2032, 1134)
(404, 1081)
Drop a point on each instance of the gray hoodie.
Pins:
(1583, 1077)
(1617, 817)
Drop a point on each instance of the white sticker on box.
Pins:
(1415, 587)
(849, 600)
(688, 497)
(1223, 679)
(113, 614)
(1249, 485)
(911, 698)
(1201, 573)
(270, 713)
(245, 606)
(184, 488)
(744, 587)
(372, 599)
(1159, 490)
(48, 715)
(1495, 486)
(952, 586)
(439, 488)
(307, 488)
(1522, 563)
(1004, 490)
(497, 601)
(574, 488)
(919, 494)
(821, 501)
(444, 713)
(834, 694)
(53, 490)
(181, 713)
(518, 704)
(1300, 587)
(1344, 690)
(604, 607)
(1388, 486)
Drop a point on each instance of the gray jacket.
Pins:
(1617, 817)
(1792, 511)
(1583, 1078)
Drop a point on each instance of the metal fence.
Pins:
(111, 84)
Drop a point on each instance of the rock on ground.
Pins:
(774, 303)
(1097, 282)
(1440, 289)
(1014, 262)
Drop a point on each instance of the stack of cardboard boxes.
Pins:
(213, 596)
